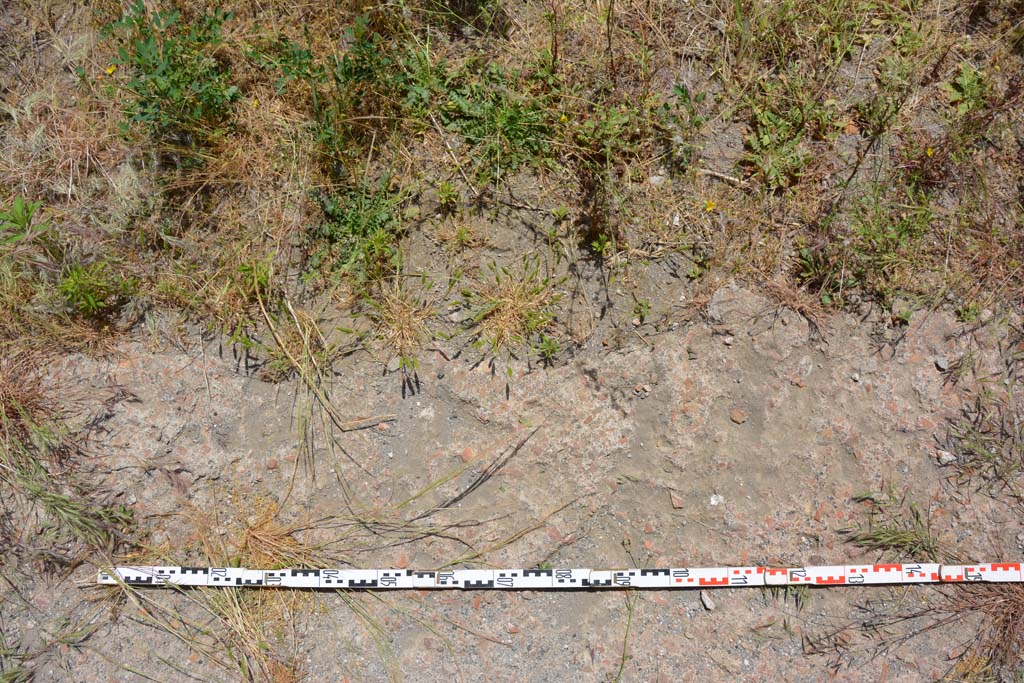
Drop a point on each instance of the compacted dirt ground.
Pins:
(740, 438)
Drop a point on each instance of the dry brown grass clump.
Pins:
(400, 318)
(1000, 638)
(25, 401)
(988, 442)
(54, 150)
(266, 542)
(62, 516)
(512, 306)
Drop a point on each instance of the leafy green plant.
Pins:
(775, 149)
(254, 279)
(16, 223)
(547, 348)
(968, 312)
(603, 246)
(605, 143)
(506, 129)
(681, 118)
(818, 269)
(785, 116)
(360, 231)
(378, 75)
(293, 62)
(90, 290)
(967, 91)
(884, 229)
(177, 87)
(641, 309)
(447, 196)
(377, 82)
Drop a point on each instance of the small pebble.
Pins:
(729, 339)
(945, 458)
(716, 500)
(737, 416)
(705, 599)
(855, 377)
(272, 464)
(942, 363)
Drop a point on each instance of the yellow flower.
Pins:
(111, 69)
(709, 206)
(255, 102)
(929, 152)
(564, 118)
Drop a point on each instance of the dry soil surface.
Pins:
(738, 438)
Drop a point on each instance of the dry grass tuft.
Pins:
(898, 527)
(988, 442)
(300, 347)
(25, 401)
(266, 542)
(511, 306)
(250, 623)
(40, 476)
(400, 319)
(1000, 638)
(54, 151)
(252, 634)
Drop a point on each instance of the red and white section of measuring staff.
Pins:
(539, 579)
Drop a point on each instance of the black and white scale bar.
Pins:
(557, 578)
